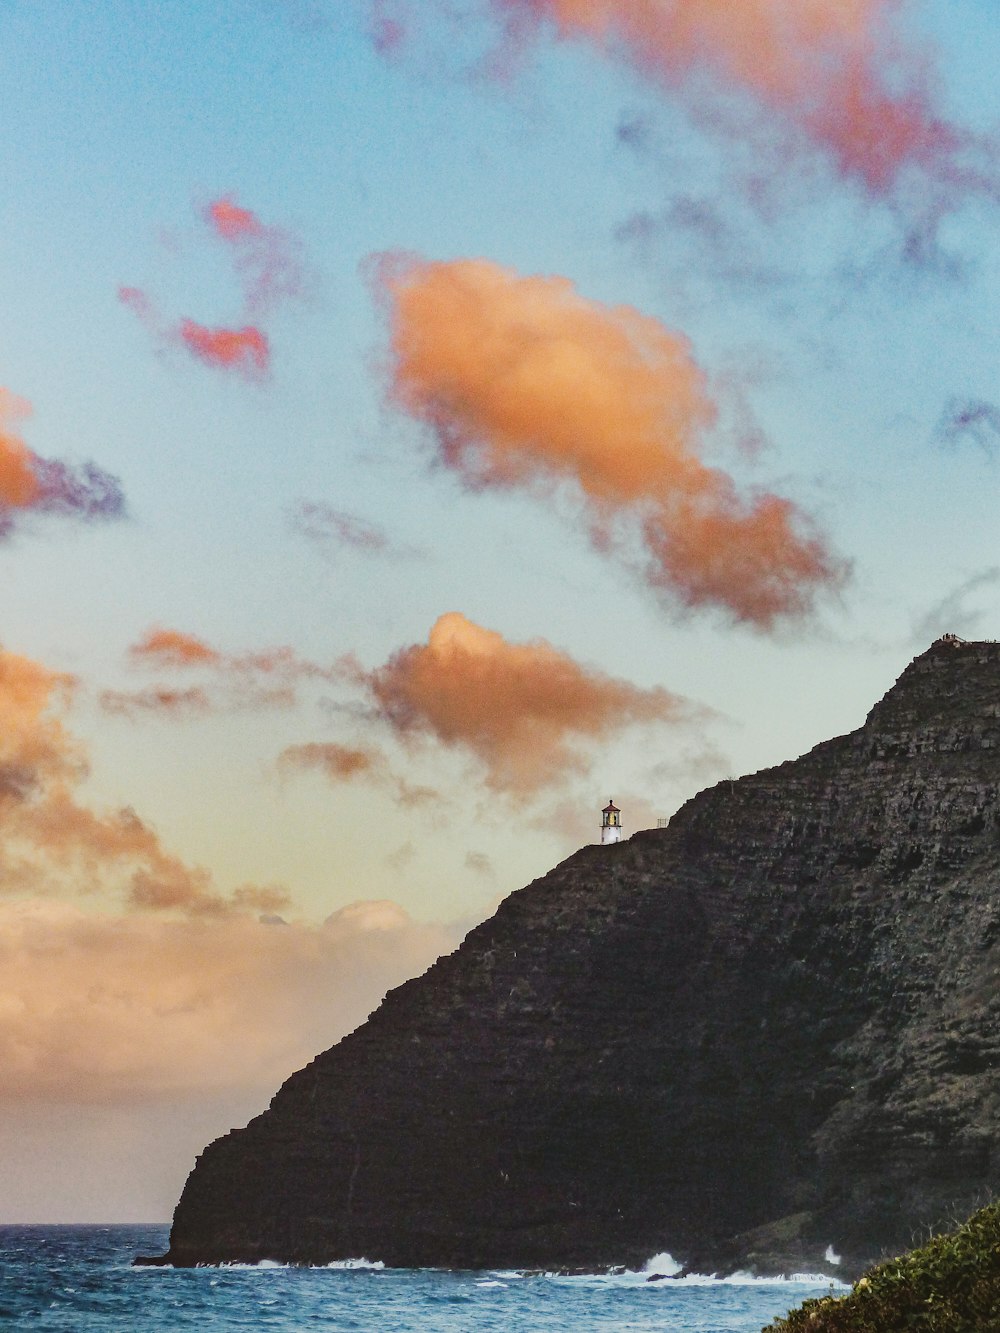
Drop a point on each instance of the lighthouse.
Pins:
(611, 823)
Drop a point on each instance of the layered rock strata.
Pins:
(769, 1028)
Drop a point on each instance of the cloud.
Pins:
(972, 419)
(267, 259)
(173, 648)
(18, 483)
(267, 264)
(158, 699)
(128, 1043)
(266, 679)
(330, 528)
(388, 31)
(840, 78)
(233, 223)
(340, 763)
(29, 484)
(246, 350)
(403, 856)
(480, 864)
(345, 763)
(51, 843)
(952, 614)
(110, 1010)
(527, 712)
(696, 232)
(526, 384)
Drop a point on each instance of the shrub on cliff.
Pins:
(950, 1285)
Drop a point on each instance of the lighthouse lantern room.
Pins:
(611, 823)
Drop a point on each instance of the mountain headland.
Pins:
(768, 1029)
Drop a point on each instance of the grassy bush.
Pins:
(949, 1285)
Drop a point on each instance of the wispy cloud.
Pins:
(953, 614)
(268, 678)
(33, 485)
(842, 80)
(333, 529)
(347, 763)
(267, 259)
(268, 265)
(52, 842)
(480, 864)
(972, 420)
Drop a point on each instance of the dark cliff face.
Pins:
(768, 1028)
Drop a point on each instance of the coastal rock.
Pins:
(765, 1030)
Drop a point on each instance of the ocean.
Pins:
(79, 1279)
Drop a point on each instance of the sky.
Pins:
(422, 421)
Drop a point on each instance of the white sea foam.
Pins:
(831, 1256)
(665, 1267)
(738, 1279)
(263, 1265)
(663, 1263)
(661, 1266)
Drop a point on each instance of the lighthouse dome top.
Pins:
(609, 808)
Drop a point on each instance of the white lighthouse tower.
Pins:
(611, 823)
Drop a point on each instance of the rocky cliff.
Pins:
(766, 1029)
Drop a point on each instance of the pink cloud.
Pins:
(267, 263)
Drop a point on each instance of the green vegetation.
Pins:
(949, 1285)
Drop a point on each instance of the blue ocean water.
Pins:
(80, 1280)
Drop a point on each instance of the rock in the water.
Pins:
(764, 1030)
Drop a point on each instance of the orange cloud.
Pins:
(30, 483)
(127, 1043)
(339, 762)
(233, 1003)
(18, 483)
(525, 383)
(50, 842)
(173, 648)
(265, 679)
(344, 763)
(840, 75)
(526, 711)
